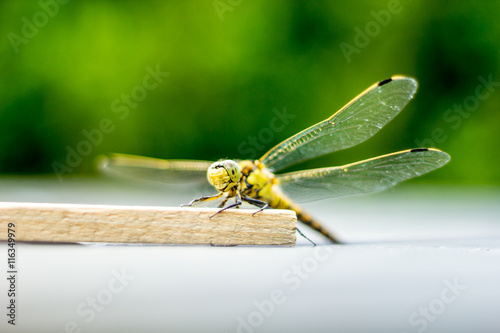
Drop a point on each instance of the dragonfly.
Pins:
(258, 183)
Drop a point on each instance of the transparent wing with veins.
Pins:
(356, 122)
(372, 175)
(154, 169)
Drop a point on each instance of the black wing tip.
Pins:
(445, 157)
(396, 78)
(416, 150)
(381, 83)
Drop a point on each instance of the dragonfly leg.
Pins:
(261, 204)
(202, 199)
(223, 203)
(300, 232)
(236, 204)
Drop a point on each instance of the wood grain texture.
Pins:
(140, 224)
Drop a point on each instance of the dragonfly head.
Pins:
(224, 175)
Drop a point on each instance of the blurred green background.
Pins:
(66, 66)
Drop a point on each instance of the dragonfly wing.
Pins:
(375, 174)
(153, 169)
(356, 122)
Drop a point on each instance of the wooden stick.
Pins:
(138, 224)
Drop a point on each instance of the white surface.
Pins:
(406, 247)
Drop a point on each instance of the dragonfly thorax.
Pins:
(224, 175)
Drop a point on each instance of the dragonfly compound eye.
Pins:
(223, 173)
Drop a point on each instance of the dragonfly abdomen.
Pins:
(280, 201)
